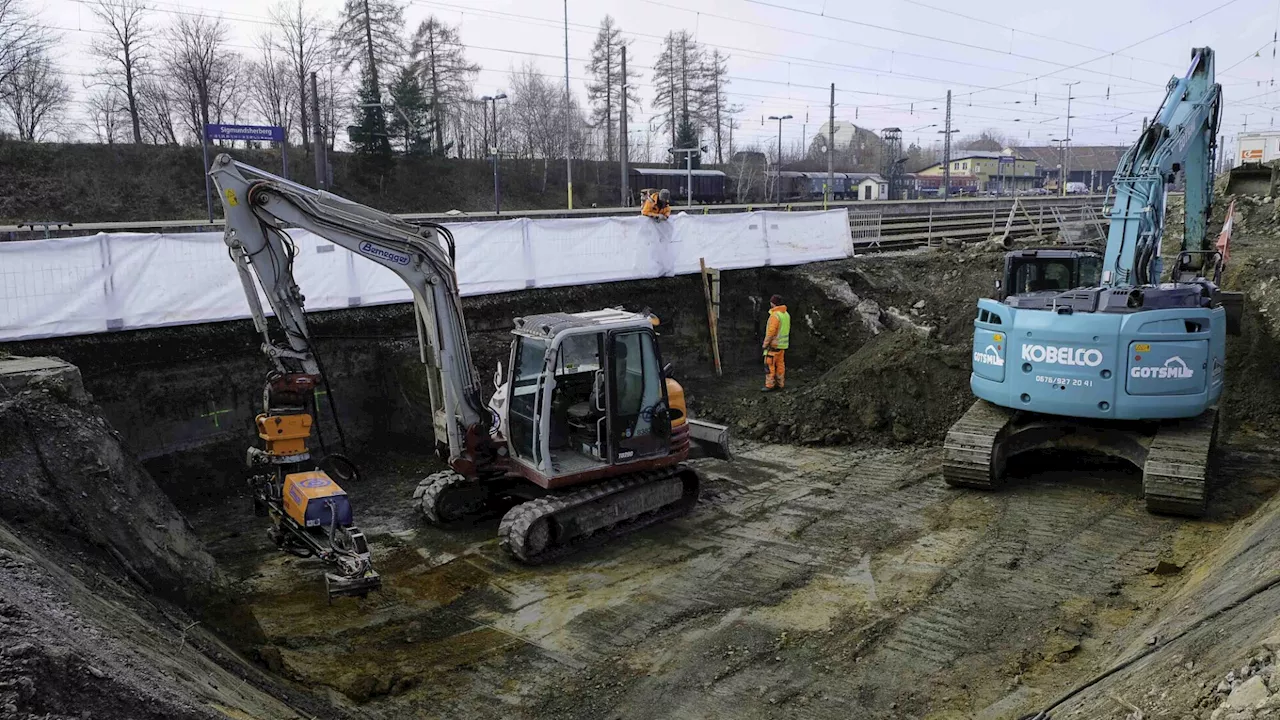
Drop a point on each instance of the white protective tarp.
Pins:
(122, 281)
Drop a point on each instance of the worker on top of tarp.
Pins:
(657, 205)
(777, 338)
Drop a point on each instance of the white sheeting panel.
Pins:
(493, 257)
(582, 251)
(160, 280)
(86, 285)
(53, 287)
(730, 242)
(805, 237)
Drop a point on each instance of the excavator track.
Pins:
(446, 497)
(1173, 478)
(971, 453)
(551, 527)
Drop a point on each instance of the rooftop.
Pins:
(1084, 157)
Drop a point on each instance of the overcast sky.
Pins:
(1007, 63)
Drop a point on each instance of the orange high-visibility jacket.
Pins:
(653, 209)
(773, 339)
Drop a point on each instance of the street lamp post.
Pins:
(492, 100)
(1064, 174)
(778, 183)
(688, 169)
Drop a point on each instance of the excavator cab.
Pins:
(586, 391)
(1048, 270)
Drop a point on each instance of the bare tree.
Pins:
(678, 76)
(125, 48)
(303, 43)
(108, 115)
(446, 74)
(22, 38)
(35, 96)
(714, 102)
(157, 107)
(198, 67)
(604, 91)
(271, 90)
(535, 118)
(989, 140)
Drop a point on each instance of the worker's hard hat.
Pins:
(664, 194)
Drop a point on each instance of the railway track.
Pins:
(916, 230)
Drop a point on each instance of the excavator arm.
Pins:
(258, 205)
(1182, 136)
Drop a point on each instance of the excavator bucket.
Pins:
(1261, 179)
(710, 439)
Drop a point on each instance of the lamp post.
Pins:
(1065, 171)
(492, 100)
(778, 183)
(688, 169)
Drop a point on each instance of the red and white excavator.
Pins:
(585, 440)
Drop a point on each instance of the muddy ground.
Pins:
(827, 572)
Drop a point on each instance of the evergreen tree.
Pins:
(687, 137)
(410, 101)
(370, 136)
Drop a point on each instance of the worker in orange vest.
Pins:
(657, 205)
(777, 338)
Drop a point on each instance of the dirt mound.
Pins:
(898, 387)
(65, 475)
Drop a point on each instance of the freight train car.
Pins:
(709, 186)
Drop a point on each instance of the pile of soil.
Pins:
(899, 386)
(109, 601)
(68, 478)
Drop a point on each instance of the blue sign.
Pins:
(1007, 159)
(261, 133)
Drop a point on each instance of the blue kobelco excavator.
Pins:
(1088, 351)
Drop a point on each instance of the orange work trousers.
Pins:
(775, 362)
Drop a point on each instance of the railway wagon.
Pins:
(709, 186)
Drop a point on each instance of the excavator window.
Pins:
(526, 376)
(639, 424)
(1041, 274)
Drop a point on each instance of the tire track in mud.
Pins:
(1051, 543)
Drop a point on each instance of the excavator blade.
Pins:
(710, 439)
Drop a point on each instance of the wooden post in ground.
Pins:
(711, 315)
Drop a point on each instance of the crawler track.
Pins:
(972, 455)
(1173, 479)
(551, 527)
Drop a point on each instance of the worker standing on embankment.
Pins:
(657, 205)
(777, 338)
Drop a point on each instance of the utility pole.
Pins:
(622, 133)
(493, 149)
(1066, 153)
(778, 170)
(831, 144)
(568, 163)
(946, 152)
(317, 139)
